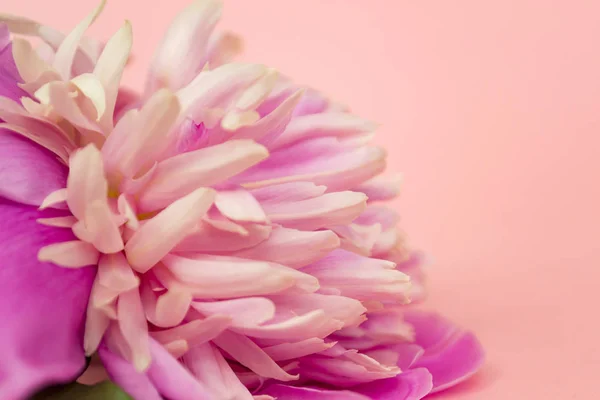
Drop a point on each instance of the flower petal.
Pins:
(28, 172)
(9, 75)
(247, 353)
(410, 385)
(166, 376)
(65, 54)
(141, 137)
(451, 355)
(109, 70)
(182, 53)
(285, 392)
(210, 367)
(179, 175)
(292, 247)
(159, 235)
(42, 308)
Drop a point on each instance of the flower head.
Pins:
(233, 219)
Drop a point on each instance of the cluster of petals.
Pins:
(224, 228)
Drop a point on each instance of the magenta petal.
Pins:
(9, 76)
(166, 376)
(285, 392)
(28, 172)
(42, 307)
(451, 355)
(410, 385)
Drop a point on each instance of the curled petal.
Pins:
(451, 355)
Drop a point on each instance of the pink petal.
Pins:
(316, 323)
(31, 67)
(381, 188)
(292, 247)
(222, 48)
(286, 192)
(290, 351)
(115, 273)
(247, 353)
(195, 332)
(109, 70)
(39, 130)
(169, 309)
(217, 88)
(74, 254)
(272, 124)
(323, 161)
(65, 54)
(28, 173)
(410, 385)
(60, 222)
(182, 53)
(86, 196)
(320, 125)
(239, 205)
(141, 137)
(224, 277)
(285, 392)
(54, 199)
(179, 175)
(251, 311)
(133, 325)
(166, 376)
(311, 214)
(451, 355)
(211, 238)
(208, 366)
(160, 234)
(42, 308)
(9, 75)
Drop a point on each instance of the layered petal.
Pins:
(28, 172)
(165, 376)
(43, 305)
(9, 75)
(451, 355)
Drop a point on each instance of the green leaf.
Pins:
(102, 391)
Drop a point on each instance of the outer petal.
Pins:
(9, 76)
(165, 377)
(42, 306)
(451, 355)
(283, 392)
(28, 172)
(411, 385)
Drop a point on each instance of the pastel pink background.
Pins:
(491, 111)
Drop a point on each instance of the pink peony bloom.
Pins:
(234, 220)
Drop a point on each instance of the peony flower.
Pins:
(230, 220)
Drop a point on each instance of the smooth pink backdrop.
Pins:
(491, 111)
